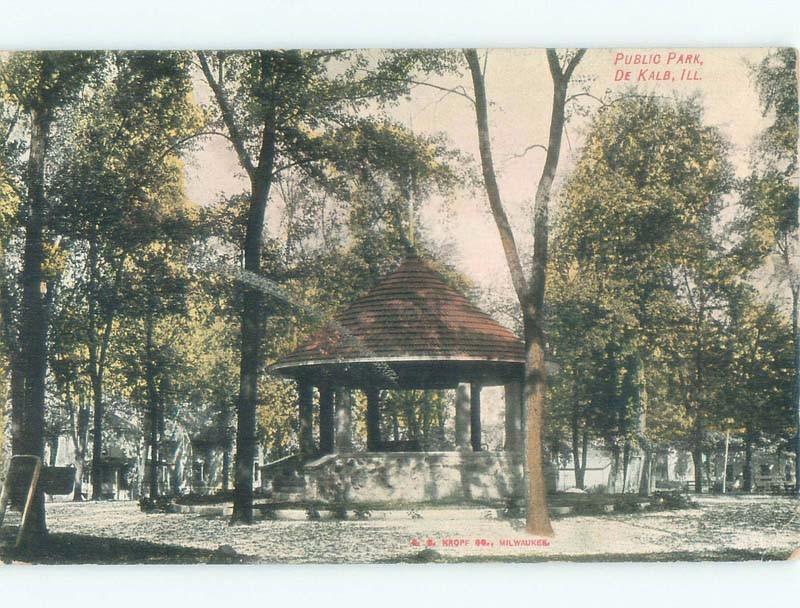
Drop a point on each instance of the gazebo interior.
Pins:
(412, 331)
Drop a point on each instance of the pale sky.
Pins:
(519, 89)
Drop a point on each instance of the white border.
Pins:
(291, 23)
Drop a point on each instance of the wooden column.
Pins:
(326, 423)
(342, 438)
(373, 419)
(305, 433)
(513, 411)
(475, 416)
(462, 417)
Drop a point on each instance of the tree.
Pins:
(117, 168)
(769, 221)
(155, 310)
(41, 84)
(530, 290)
(756, 395)
(638, 214)
(589, 316)
(289, 111)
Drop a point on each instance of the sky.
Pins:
(519, 91)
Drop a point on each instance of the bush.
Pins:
(514, 509)
(339, 511)
(362, 514)
(205, 499)
(160, 504)
(626, 503)
(670, 500)
(589, 508)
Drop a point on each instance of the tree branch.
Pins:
(236, 137)
(490, 178)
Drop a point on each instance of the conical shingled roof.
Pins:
(411, 316)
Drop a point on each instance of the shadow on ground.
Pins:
(725, 555)
(63, 548)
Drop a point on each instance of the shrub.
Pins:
(160, 504)
(514, 509)
(589, 508)
(362, 514)
(670, 500)
(626, 503)
(219, 496)
(339, 511)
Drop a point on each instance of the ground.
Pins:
(718, 528)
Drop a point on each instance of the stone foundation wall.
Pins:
(403, 477)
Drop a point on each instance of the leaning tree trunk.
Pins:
(33, 338)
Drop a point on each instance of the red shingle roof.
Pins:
(412, 315)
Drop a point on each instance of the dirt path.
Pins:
(720, 528)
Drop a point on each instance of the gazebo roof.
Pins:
(413, 330)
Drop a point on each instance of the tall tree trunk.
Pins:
(226, 450)
(535, 387)
(152, 407)
(725, 462)
(626, 460)
(250, 361)
(15, 360)
(53, 441)
(614, 470)
(584, 454)
(749, 484)
(796, 337)
(33, 337)
(17, 383)
(530, 293)
(251, 314)
(578, 461)
(642, 438)
(97, 436)
(79, 428)
(97, 348)
(697, 460)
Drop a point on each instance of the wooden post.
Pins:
(326, 420)
(475, 416)
(343, 439)
(373, 419)
(305, 432)
(462, 416)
